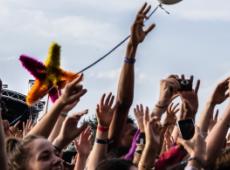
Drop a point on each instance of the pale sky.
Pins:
(193, 39)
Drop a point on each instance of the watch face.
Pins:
(169, 2)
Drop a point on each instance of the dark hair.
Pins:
(114, 164)
(223, 160)
(130, 120)
(18, 152)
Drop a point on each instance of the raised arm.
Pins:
(83, 146)
(69, 130)
(3, 156)
(126, 80)
(216, 138)
(168, 91)
(218, 96)
(105, 112)
(152, 145)
(69, 98)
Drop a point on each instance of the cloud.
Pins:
(210, 10)
(106, 75)
(141, 77)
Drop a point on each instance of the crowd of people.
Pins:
(114, 141)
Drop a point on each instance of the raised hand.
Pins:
(84, 143)
(171, 115)
(220, 93)
(152, 130)
(196, 147)
(138, 34)
(168, 91)
(139, 114)
(190, 98)
(153, 141)
(72, 94)
(15, 131)
(69, 130)
(27, 126)
(105, 110)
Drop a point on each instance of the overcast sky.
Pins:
(193, 39)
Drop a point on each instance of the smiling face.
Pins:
(43, 156)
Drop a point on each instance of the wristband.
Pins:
(129, 60)
(141, 139)
(139, 152)
(197, 160)
(102, 141)
(102, 128)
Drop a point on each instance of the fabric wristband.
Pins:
(102, 141)
(102, 128)
(129, 60)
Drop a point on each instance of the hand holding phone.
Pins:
(187, 128)
(185, 85)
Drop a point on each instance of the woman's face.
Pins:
(42, 155)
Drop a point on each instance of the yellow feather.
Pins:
(53, 58)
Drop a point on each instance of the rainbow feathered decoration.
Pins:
(49, 77)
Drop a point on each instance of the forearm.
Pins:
(45, 126)
(80, 162)
(126, 80)
(124, 96)
(158, 110)
(138, 153)
(216, 137)
(98, 152)
(206, 116)
(147, 158)
(56, 128)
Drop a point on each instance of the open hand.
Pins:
(220, 93)
(84, 143)
(105, 110)
(138, 34)
(72, 94)
(139, 114)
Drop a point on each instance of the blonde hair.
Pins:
(18, 152)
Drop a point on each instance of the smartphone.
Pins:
(185, 85)
(187, 128)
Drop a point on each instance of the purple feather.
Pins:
(35, 67)
(54, 94)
